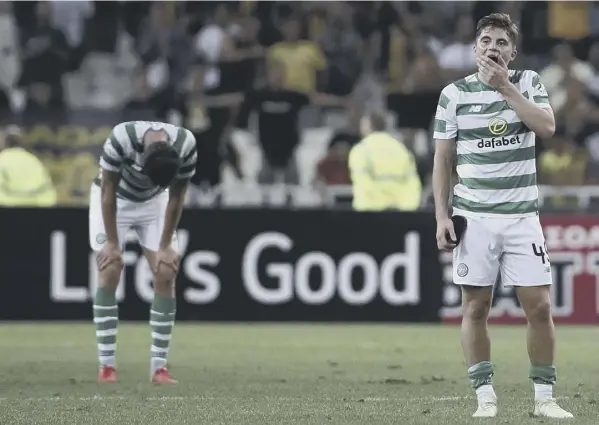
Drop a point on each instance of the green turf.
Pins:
(281, 374)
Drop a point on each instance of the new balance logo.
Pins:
(475, 108)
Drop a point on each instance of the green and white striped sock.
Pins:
(106, 319)
(162, 320)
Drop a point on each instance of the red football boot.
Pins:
(107, 374)
(161, 376)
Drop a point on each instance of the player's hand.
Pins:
(443, 227)
(109, 254)
(496, 74)
(167, 257)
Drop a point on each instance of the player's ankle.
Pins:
(543, 391)
(486, 392)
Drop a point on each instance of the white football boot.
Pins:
(487, 407)
(548, 408)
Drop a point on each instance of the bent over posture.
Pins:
(486, 124)
(144, 173)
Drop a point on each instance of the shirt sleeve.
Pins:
(446, 123)
(539, 92)
(113, 151)
(189, 157)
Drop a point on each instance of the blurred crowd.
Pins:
(293, 76)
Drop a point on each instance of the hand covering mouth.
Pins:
(494, 57)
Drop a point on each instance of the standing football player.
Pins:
(486, 123)
(145, 168)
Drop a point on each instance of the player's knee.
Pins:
(539, 312)
(111, 274)
(476, 303)
(476, 308)
(165, 276)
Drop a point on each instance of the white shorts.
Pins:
(145, 218)
(513, 247)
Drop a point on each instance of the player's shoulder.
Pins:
(120, 132)
(455, 89)
(189, 137)
(523, 78)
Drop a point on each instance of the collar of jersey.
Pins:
(484, 84)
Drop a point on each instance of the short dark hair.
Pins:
(378, 120)
(162, 163)
(499, 20)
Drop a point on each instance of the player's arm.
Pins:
(178, 190)
(445, 152)
(111, 161)
(538, 116)
(174, 209)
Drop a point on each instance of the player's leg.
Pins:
(475, 268)
(526, 266)
(105, 307)
(164, 305)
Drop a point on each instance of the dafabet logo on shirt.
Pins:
(497, 126)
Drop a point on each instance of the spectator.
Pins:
(24, 180)
(145, 102)
(70, 18)
(302, 59)
(343, 48)
(212, 44)
(578, 115)
(214, 75)
(154, 46)
(383, 170)
(243, 56)
(350, 134)
(458, 59)
(556, 75)
(333, 169)
(568, 19)
(278, 112)
(10, 63)
(592, 144)
(45, 56)
(593, 82)
(563, 163)
(414, 98)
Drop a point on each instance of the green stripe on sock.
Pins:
(164, 305)
(543, 374)
(106, 339)
(104, 326)
(105, 297)
(163, 311)
(481, 374)
(161, 343)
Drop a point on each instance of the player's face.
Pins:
(494, 42)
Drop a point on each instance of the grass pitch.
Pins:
(258, 374)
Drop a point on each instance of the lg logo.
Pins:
(313, 278)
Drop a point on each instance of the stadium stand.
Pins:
(112, 61)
